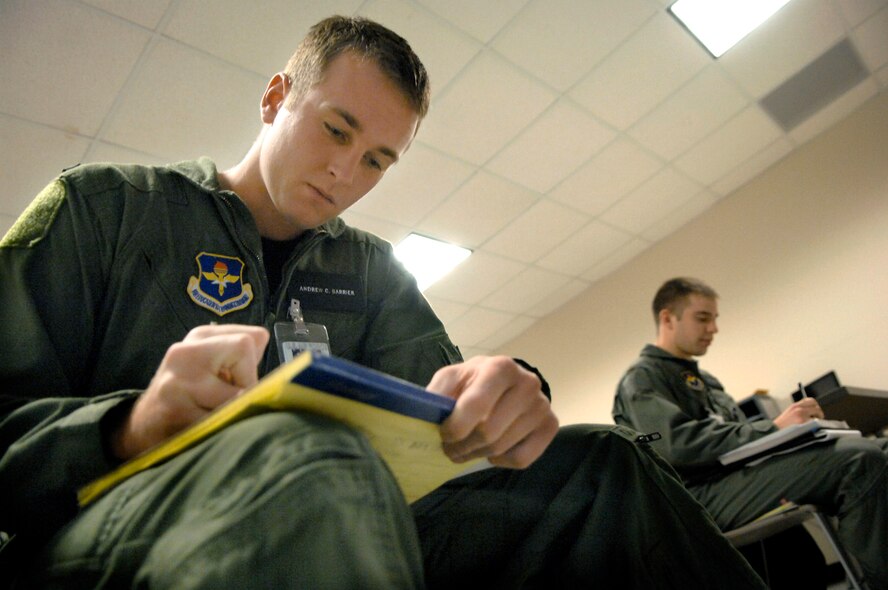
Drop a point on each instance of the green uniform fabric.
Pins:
(260, 507)
(597, 510)
(96, 288)
(698, 421)
(111, 266)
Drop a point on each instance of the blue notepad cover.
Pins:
(357, 382)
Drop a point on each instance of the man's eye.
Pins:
(336, 132)
(373, 162)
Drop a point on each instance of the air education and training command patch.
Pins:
(219, 286)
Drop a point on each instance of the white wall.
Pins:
(799, 257)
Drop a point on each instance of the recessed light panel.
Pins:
(720, 24)
(428, 259)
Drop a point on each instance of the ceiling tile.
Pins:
(513, 328)
(680, 216)
(752, 167)
(472, 351)
(22, 174)
(531, 160)
(618, 169)
(443, 49)
(882, 77)
(6, 222)
(258, 36)
(585, 248)
(476, 132)
(414, 186)
(559, 41)
(447, 311)
(476, 278)
(476, 325)
(838, 110)
(99, 151)
(392, 232)
(857, 11)
(738, 140)
(522, 294)
(172, 80)
(146, 13)
(656, 198)
(783, 45)
(694, 111)
(477, 210)
(871, 40)
(561, 296)
(623, 255)
(640, 74)
(536, 231)
(57, 55)
(482, 20)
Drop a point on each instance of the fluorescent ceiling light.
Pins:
(720, 24)
(428, 259)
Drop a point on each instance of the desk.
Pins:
(862, 408)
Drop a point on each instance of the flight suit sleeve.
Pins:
(51, 437)
(691, 438)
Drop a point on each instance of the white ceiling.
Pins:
(565, 136)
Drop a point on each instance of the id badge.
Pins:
(296, 336)
(291, 341)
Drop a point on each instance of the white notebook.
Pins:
(787, 440)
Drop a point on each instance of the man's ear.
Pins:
(275, 93)
(664, 319)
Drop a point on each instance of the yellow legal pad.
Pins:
(399, 419)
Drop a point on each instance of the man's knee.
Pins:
(295, 435)
(862, 460)
(612, 446)
(253, 457)
(585, 436)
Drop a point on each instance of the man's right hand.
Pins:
(800, 412)
(213, 364)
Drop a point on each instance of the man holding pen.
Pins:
(665, 391)
(114, 352)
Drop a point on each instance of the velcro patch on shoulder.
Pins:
(36, 220)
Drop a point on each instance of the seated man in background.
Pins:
(666, 392)
(114, 352)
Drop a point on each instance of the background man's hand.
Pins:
(500, 412)
(798, 413)
(213, 364)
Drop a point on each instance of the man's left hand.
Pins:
(500, 412)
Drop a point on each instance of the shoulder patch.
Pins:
(36, 220)
(692, 381)
(219, 284)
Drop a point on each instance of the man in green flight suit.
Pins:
(665, 391)
(112, 281)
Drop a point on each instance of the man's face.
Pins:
(690, 333)
(333, 144)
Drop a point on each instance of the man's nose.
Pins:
(344, 164)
